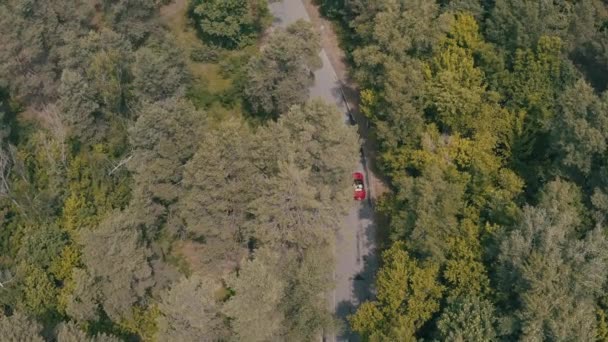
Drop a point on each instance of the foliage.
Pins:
(219, 183)
(489, 122)
(118, 263)
(230, 23)
(258, 290)
(309, 175)
(69, 332)
(18, 327)
(545, 249)
(164, 137)
(32, 35)
(468, 319)
(306, 312)
(190, 311)
(408, 296)
(578, 131)
(143, 322)
(159, 70)
(480, 110)
(40, 294)
(281, 75)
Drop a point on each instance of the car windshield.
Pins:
(358, 184)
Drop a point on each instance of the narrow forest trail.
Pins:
(337, 57)
(355, 245)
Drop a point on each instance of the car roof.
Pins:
(358, 175)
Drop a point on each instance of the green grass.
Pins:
(213, 85)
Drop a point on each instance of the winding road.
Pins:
(355, 256)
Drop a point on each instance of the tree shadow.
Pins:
(361, 284)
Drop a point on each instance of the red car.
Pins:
(359, 187)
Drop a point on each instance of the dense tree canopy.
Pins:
(281, 75)
(130, 209)
(230, 23)
(147, 195)
(18, 327)
(490, 125)
(191, 311)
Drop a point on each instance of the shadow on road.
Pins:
(362, 284)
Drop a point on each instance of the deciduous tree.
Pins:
(230, 23)
(258, 291)
(220, 181)
(77, 105)
(18, 328)
(579, 129)
(408, 296)
(190, 311)
(159, 71)
(468, 319)
(82, 301)
(116, 257)
(164, 137)
(281, 75)
(69, 332)
(543, 258)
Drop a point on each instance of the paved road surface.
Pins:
(355, 241)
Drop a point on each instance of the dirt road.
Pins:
(355, 245)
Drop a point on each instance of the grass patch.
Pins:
(210, 76)
(216, 86)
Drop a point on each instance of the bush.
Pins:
(230, 24)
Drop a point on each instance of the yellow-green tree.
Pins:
(408, 296)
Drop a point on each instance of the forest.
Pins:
(164, 177)
(491, 120)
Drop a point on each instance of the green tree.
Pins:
(428, 215)
(39, 291)
(391, 32)
(18, 328)
(117, 259)
(537, 78)
(592, 55)
(543, 258)
(468, 319)
(521, 23)
(578, 132)
(281, 75)
(408, 296)
(219, 183)
(230, 23)
(42, 244)
(190, 311)
(457, 95)
(69, 332)
(159, 70)
(164, 137)
(258, 291)
(77, 105)
(307, 314)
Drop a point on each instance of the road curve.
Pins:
(355, 246)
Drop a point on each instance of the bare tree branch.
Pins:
(121, 163)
